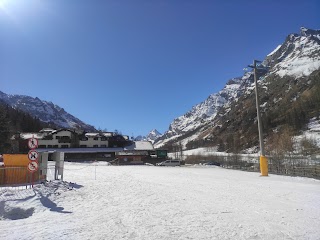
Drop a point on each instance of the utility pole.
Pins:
(258, 109)
(263, 159)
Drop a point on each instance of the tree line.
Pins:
(13, 121)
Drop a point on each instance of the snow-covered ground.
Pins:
(148, 202)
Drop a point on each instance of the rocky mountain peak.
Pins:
(45, 111)
(297, 57)
(308, 32)
(151, 136)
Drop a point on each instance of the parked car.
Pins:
(169, 163)
(213, 163)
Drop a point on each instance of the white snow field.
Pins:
(148, 202)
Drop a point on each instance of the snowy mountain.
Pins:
(152, 136)
(297, 58)
(208, 109)
(45, 111)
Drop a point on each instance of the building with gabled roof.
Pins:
(107, 146)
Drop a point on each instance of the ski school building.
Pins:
(83, 146)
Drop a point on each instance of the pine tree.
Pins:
(4, 130)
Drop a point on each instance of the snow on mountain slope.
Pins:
(45, 111)
(206, 111)
(298, 56)
(312, 133)
(274, 51)
(152, 136)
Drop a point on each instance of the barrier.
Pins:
(12, 176)
(14, 172)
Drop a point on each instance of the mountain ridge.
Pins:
(45, 111)
(297, 58)
(151, 136)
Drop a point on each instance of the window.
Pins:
(49, 137)
(57, 137)
(64, 146)
(95, 146)
(64, 139)
(83, 146)
(103, 146)
(103, 139)
(42, 146)
(96, 138)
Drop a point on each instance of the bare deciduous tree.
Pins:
(308, 146)
(280, 147)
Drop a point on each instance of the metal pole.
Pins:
(262, 153)
(263, 159)
(26, 178)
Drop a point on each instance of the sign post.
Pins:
(33, 156)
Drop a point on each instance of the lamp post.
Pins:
(263, 159)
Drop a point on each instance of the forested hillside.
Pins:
(13, 121)
(287, 103)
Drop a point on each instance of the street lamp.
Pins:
(263, 158)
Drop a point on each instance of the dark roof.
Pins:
(80, 150)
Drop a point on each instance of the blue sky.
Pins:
(136, 65)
